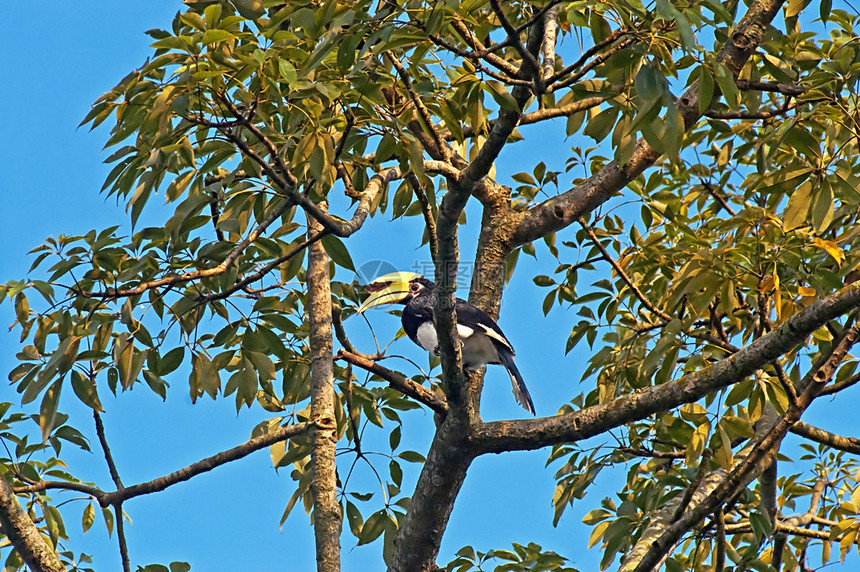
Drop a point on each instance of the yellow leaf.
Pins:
(697, 443)
(777, 297)
(805, 291)
(768, 284)
(597, 533)
(830, 248)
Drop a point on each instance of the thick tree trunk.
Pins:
(24, 535)
(416, 545)
(327, 517)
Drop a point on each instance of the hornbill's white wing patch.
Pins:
(497, 336)
(464, 331)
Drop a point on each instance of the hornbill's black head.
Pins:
(396, 288)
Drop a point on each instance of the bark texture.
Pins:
(24, 536)
(327, 517)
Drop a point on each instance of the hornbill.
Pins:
(481, 339)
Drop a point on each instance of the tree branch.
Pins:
(264, 270)
(528, 434)
(514, 36)
(401, 383)
(752, 115)
(548, 43)
(196, 274)
(117, 507)
(202, 466)
(23, 534)
(718, 197)
(120, 537)
(482, 52)
(847, 444)
(761, 456)
(589, 53)
(791, 89)
(560, 211)
(590, 65)
(442, 149)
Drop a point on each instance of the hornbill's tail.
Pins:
(521, 392)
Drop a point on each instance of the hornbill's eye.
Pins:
(414, 287)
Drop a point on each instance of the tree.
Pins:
(715, 220)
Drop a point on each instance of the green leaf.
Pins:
(354, 518)
(22, 307)
(728, 86)
(501, 96)
(411, 456)
(155, 383)
(320, 52)
(171, 360)
(86, 391)
(215, 36)
(600, 125)
(823, 208)
(336, 249)
(212, 14)
(416, 157)
(798, 206)
(288, 72)
(373, 527)
(794, 7)
(824, 10)
(48, 409)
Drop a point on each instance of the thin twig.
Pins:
(720, 552)
(159, 484)
(792, 89)
(717, 197)
(100, 431)
(595, 49)
(492, 59)
(120, 536)
(701, 473)
(193, 275)
(513, 36)
(263, 271)
(752, 115)
(591, 65)
(620, 271)
(637, 452)
(443, 150)
(427, 211)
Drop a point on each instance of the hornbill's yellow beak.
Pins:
(388, 289)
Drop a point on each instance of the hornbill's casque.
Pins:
(481, 339)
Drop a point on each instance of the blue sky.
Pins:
(59, 57)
